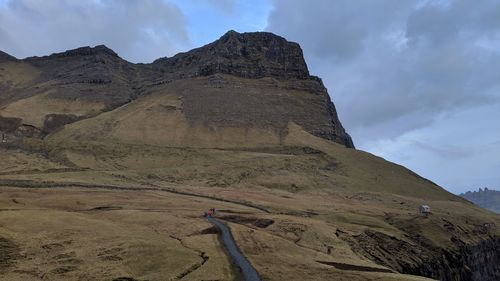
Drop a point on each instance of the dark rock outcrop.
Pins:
(8, 253)
(55, 121)
(87, 51)
(479, 262)
(12, 130)
(418, 256)
(9, 124)
(250, 55)
(94, 74)
(4, 57)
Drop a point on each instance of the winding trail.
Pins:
(50, 185)
(247, 270)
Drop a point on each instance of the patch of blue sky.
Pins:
(207, 20)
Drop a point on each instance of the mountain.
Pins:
(487, 198)
(82, 83)
(107, 167)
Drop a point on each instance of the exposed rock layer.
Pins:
(418, 256)
(251, 55)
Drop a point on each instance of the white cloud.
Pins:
(140, 31)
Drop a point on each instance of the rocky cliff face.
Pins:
(251, 55)
(463, 251)
(479, 262)
(86, 82)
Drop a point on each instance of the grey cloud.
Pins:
(391, 61)
(449, 152)
(439, 23)
(137, 30)
(334, 29)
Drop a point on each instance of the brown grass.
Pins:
(320, 195)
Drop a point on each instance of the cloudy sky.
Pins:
(416, 82)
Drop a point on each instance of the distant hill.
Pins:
(486, 198)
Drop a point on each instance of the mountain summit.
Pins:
(250, 55)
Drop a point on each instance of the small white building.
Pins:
(425, 209)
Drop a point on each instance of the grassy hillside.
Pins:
(328, 203)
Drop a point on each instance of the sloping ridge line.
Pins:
(49, 184)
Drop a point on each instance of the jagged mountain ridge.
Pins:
(97, 80)
(251, 55)
(485, 198)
